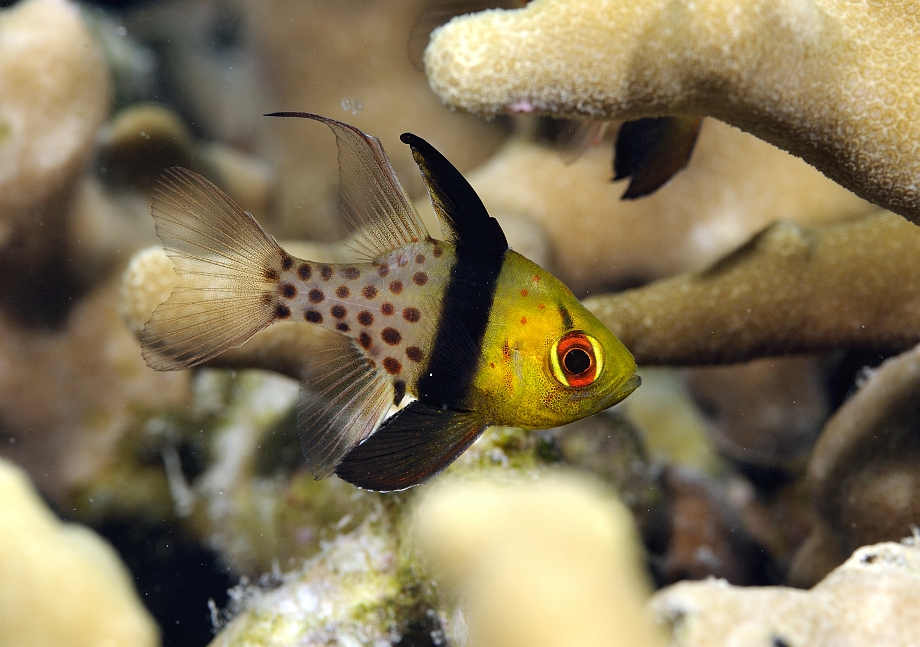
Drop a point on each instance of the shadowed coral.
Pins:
(833, 82)
(788, 290)
(864, 472)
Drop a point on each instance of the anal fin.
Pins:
(411, 447)
(343, 399)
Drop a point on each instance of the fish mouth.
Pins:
(627, 387)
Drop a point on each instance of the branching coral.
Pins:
(834, 82)
(789, 290)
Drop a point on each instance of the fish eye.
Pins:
(576, 359)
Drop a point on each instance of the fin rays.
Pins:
(342, 401)
(371, 198)
(222, 257)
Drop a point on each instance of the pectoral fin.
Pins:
(409, 448)
(651, 151)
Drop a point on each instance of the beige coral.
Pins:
(54, 94)
(61, 584)
(834, 82)
(545, 563)
(592, 240)
(788, 290)
(870, 600)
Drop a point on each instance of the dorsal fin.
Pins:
(371, 199)
(464, 219)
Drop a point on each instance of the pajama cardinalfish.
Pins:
(478, 334)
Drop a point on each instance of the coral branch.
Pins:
(833, 82)
(788, 290)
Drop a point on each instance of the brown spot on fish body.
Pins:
(326, 272)
(313, 316)
(304, 271)
(365, 340)
(339, 312)
(286, 262)
(342, 327)
(365, 318)
(383, 270)
(288, 290)
(282, 311)
(271, 274)
(369, 292)
(414, 353)
(412, 315)
(396, 287)
(351, 273)
(524, 293)
(342, 292)
(523, 321)
(387, 309)
(420, 278)
(392, 365)
(419, 258)
(437, 251)
(391, 336)
(316, 295)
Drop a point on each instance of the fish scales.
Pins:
(476, 332)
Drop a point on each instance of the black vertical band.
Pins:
(465, 314)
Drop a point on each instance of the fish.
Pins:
(461, 333)
(652, 150)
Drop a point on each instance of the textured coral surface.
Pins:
(834, 82)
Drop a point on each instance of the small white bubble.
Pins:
(352, 105)
(121, 30)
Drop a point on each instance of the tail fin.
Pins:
(228, 271)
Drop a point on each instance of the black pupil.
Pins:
(576, 361)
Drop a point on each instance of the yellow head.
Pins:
(547, 361)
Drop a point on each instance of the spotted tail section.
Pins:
(228, 271)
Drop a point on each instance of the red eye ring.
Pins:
(576, 360)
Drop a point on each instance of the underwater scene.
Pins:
(425, 323)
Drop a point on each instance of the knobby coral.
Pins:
(834, 82)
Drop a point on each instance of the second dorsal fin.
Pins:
(464, 219)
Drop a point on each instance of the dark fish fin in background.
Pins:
(464, 219)
(439, 12)
(409, 448)
(371, 198)
(342, 399)
(226, 264)
(651, 151)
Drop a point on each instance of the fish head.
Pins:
(547, 360)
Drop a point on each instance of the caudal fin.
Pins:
(228, 271)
